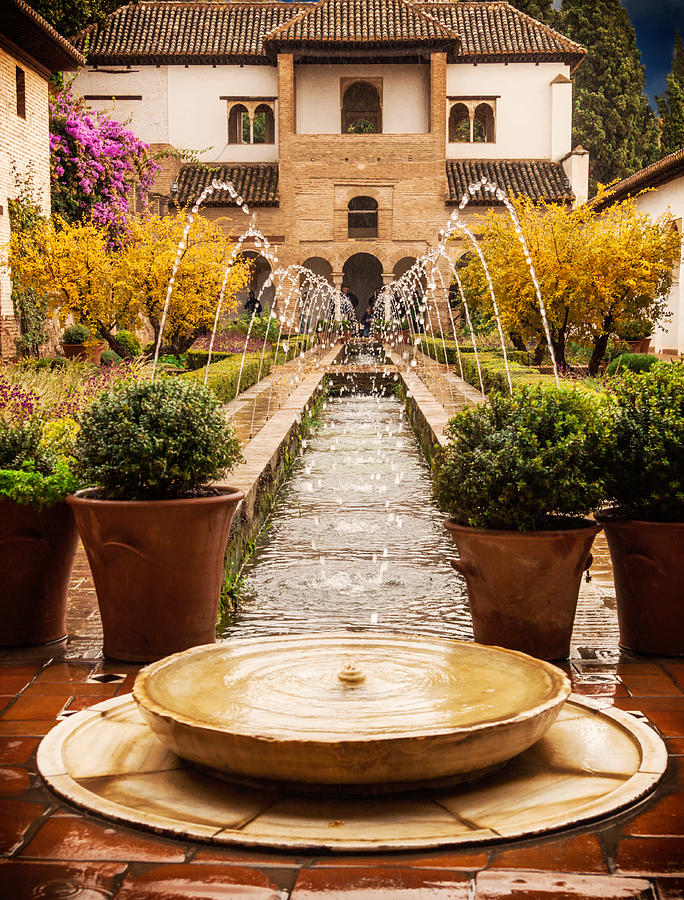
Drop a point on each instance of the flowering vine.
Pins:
(94, 160)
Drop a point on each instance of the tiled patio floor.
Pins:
(51, 850)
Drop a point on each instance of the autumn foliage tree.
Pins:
(84, 278)
(597, 271)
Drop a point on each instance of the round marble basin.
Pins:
(345, 711)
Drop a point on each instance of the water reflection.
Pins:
(355, 540)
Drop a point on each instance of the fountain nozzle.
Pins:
(350, 674)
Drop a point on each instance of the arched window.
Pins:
(362, 218)
(459, 124)
(264, 125)
(238, 125)
(361, 111)
(483, 124)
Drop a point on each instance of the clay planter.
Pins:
(522, 588)
(37, 548)
(80, 351)
(648, 569)
(158, 569)
(639, 346)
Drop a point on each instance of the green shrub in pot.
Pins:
(517, 475)
(645, 524)
(154, 526)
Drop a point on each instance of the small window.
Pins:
(362, 218)
(238, 125)
(483, 124)
(21, 93)
(264, 125)
(361, 110)
(459, 124)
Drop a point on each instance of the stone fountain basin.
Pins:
(416, 711)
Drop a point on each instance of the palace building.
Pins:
(351, 127)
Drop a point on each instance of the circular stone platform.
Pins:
(589, 764)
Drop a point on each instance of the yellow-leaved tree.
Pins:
(110, 289)
(596, 271)
(144, 268)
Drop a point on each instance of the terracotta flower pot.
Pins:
(522, 588)
(91, 353)
(37, 548)
(648, 568)
(158, 569)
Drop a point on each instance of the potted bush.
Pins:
(636, 334)
(645, 526)
(154, 528)
(517, 477)
(78, 343)
(38, 534)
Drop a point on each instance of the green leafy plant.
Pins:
(361, 126)
(129, 342)
(155, 440)
(634, 362)
(524, 462)
(645, 472)
(76, 334)
(34, 465)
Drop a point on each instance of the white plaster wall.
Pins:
(198, 118)
(181, 105)
(669, 196)
(524, 109)
(405, 97)
(149, 117)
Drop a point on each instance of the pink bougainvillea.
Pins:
(95, 161)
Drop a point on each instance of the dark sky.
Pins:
(655, 22)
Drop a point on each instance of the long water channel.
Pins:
(355, 540)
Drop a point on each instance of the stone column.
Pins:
(286, 97)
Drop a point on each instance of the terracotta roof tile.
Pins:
(494, 30)
(37, 37)
(536, 178)
(170, 31)
(663, 170)
(362, 22)
(257, 183)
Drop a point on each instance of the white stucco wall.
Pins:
(182, 106)
(405, 97)
(669, 196)
(533, 118)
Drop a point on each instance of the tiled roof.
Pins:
(491, 31)
(257, 184)
(171, 31)
(536, 178)
(374, 22)
(22, 24)
(663, 170)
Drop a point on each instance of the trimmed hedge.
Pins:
(223, 375)
(197, 359)
(632, 362)
(491, 364)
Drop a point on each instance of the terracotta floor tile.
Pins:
(468, 860)
(351, 883)
(21, 727)
(65, 672)
(651, 704)
(675, 745)
(28, 669)
(651, 856)
(16, 817)
(639, 668)
(27, 880)
(664, 817)
(80, 702)
(181, 882)
(17, 750)
(580, 853)
(72, 837)
(559, 886)
(244, 855)
(650, 685)
(670, 888)
(12, 684)
(676, 670)
(13, 780)
(58, 688)
(35, 707)
(670, 724)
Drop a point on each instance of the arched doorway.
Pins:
(363, 273)
(261, 269)
(316, 306)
